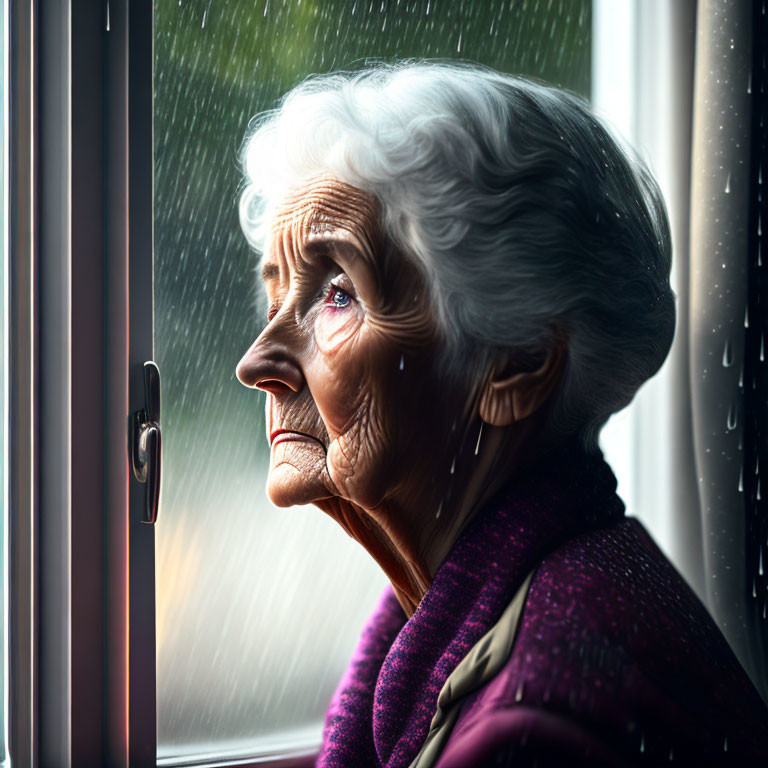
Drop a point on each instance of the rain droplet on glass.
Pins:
(727, 355)
(479, 435)
(732, 420)
(728, 185)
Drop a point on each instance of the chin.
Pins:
(296, 474)
(286, 488)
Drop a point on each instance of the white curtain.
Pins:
(642, 75)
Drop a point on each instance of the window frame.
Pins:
(21, 392)
(80, 235)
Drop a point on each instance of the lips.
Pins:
(278, 435)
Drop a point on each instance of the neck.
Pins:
(504, 453)
(412, 533)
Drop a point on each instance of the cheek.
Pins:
(336, 372)
(334, 327)
(341, 372)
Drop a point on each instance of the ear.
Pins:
(506, 400)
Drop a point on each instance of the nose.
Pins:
(270, 368)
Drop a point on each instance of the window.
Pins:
(216, 636)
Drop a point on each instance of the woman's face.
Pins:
(354, 409)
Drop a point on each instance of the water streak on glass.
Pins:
(258, 609)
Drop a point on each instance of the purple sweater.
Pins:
(615, 662)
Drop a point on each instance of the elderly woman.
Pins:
(466, 276)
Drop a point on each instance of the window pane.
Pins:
(258, 609)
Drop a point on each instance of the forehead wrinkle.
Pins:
(325, 206)
(326, 194)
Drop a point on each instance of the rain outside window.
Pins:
(259, 608)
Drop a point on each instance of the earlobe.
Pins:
(504, 401)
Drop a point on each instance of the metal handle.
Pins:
(147, 442)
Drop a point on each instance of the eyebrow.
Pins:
(269, 272)
(327, 243)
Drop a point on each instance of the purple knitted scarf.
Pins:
(382, 708)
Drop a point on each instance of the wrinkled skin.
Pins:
(359, 421)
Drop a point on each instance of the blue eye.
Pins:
(339, 297)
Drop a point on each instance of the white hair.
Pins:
(521, 210)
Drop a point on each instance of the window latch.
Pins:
(147, 441)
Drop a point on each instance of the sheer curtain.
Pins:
(643, 85)
(684, 83)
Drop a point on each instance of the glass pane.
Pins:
(258, 609)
